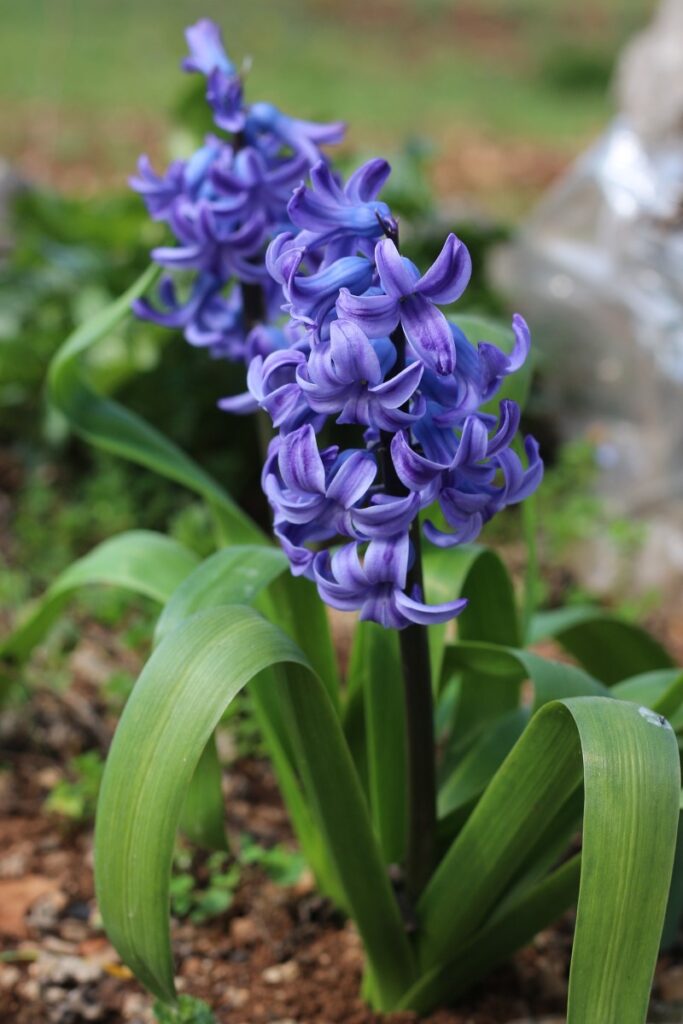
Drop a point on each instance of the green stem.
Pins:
(417, 686)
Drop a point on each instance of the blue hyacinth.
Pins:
(371, 347)
(223, 205)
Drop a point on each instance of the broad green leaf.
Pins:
(238, 576)
(293, 604)
(674, 909)
(234, 575)
(509, 928)
(607, 647)
(481, 762)
(375, 670)
(142, 561)
(627, 759)
(551, 680)
(108, 425)
(203, 812)
(184, 689)
(661, 691)
(491, 616)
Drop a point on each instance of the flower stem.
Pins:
(417, 686)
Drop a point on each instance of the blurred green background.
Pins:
(506, 90)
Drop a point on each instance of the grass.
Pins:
(394, 69)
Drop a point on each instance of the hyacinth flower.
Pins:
(223, 205)
(378, 352)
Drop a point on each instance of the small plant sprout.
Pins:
(390, 423)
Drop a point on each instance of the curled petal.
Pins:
(449, 275)
(239, 405)
(388, 516)
(207, 51)
(353, 479)
(509, 424)
(396, 391)
(413, 470)
(300, 463)
(522, 345)
(428, 614)
(397, 274)
(473, 442)
(366, 182)
(347, 570)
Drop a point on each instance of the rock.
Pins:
(137, 1009)
(14, 864)
(64, 970)
(243, 931)
(280, 974)
(235, 998)
(44, 913)
(9, 976)
(18, 897)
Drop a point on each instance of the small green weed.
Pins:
(188, 1011)
(76, 798)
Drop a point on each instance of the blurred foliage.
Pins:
(201, 902)
(203, 887)
(188, 1011)
(75, 797)
(573, 68)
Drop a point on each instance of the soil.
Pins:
(279, 955)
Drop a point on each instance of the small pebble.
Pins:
(279, 974)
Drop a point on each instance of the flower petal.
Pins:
(449, 274)
(386, 561)
(300, 463)
(377, 315)
(366, 182)
(428, 332)
(394, 392)
(428, 614)
(352, 479)
(354, 358)
(398, 276)
(413, 470)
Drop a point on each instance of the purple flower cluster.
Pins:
(223, 205)
(372, 347)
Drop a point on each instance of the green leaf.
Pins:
(607, 647)
(627, 758)
(479, 575)
(179, 699)
(142, 561)
(511, 926)
(234, 575)
(108, 425)
(203, 813)
(661, 691)
(551, 680)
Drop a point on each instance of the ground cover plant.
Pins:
(393, 440)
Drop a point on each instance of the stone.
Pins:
(280, 974)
